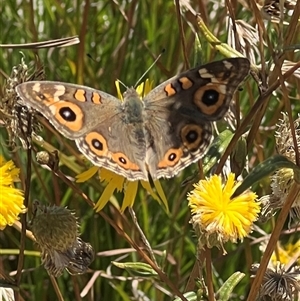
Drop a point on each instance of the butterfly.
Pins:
(159, 135)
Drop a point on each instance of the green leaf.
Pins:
(136, 268)
(216, 150)
(238, 157)
(264, 169)
(225, 291)
(190, 296)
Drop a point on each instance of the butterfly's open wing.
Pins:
(180, 111)
(96, 121)
(72, 109)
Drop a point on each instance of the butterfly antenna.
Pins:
(118, 80)
(90, 57)
(158, 57)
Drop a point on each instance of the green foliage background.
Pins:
(122, 39)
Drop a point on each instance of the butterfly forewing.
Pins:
(72, 109)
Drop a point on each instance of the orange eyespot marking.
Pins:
(96, 98)
(171, 157)
(186, 83)
(68, 114)
(191, 135)
(170, 91)
(209, 98)
(124, 162)
(80, 95)
(97, 144)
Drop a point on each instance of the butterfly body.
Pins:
(159, 135)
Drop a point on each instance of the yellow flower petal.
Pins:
(86, 175)
(11, 199)
(148, 86)
(117, 84)
(286, 253)
(146, 185)
(115, 182)
(144, 88)
(105, 196)
(109, 176)
(129, 195)
(161, 193)
(140, 90)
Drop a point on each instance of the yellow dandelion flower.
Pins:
(11, 199)
(119, 183)
(216, 217)
(285, 253)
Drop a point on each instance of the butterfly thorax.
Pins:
(133, 107)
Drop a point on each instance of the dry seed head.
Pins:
(55, 228)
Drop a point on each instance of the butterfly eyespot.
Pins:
(67, 114)
(122, 160)
(211, 100)
(191, 135)
(210, 97)
(172, 157)
(97, 144)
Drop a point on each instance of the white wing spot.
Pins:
(227, 64)
(59, 91)
(215, 80)
(222, 89)
(204, 73)
(36, 87)
(53, 109)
